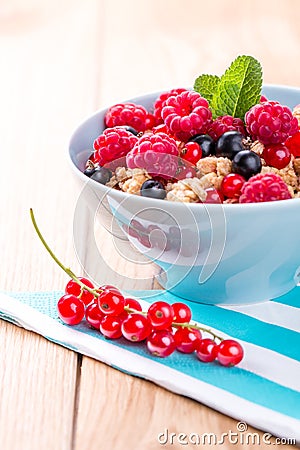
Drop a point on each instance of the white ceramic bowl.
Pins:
(208, 253)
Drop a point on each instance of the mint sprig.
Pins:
(206, 85)
(236, 91)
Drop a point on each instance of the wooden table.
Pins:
(61, 60)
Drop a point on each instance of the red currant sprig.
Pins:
(164, 327)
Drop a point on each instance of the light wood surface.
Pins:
(61, 60)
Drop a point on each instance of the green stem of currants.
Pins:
(97, 293)
(67, 270)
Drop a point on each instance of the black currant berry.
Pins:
(229, 144)
(153, 189)
(246, 163)
(101, 175)
(206, 143)
(89, 171)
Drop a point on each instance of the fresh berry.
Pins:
(132, 303)
(162, 128)
(108, 287)
(187, 339)
(229, 144)
(102, 175)
(264, 188)
(75, 289)
(270, 123)
(112, 144)
(136, 327)
(89, 168)
(111, 302)
(191, 152)
(246, 163)
(161, 315)
(207, 350)
(182, 312)
(214, 196)
(161, 343)
(222, 124)
(293, 144)
(263, 99)
(276, 156)
(187, 114)
(70, 309)
(153, 189)
(127, 114)
(230, 353)
(185, 171)
(150, 121)
(110, 327)
(206, 143)
(94, 316)
(157, 153)
(232, 184)
(161, 102)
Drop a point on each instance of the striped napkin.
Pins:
(262, 391)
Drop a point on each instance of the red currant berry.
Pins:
(93, 315)
(207, 350)
(192, 152)
(133, 304)
(230, 353)
(277, 156)
(111, 302)
(70, 309)
(187, 339)
(150, 121)
(161, 343)
(108, 287)
(136, 327)
(214, 196)
(110, 327)
(184, 172)
(232, 184)
(161, 315)
(75, 289)
(160, 129)
(182, 312)
(293, 144)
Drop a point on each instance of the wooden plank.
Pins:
(37, 380)
(47, 62)
(117, 411)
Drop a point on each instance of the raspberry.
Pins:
(157, 153)
(129, 114)
(226, 123)
(112, 144)
(187, 114)
(161, 102)
(270, 123)
(267, 187)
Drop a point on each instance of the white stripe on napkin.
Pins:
(271, 312)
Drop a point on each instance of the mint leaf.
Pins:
(239, 88)
(206, 85)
